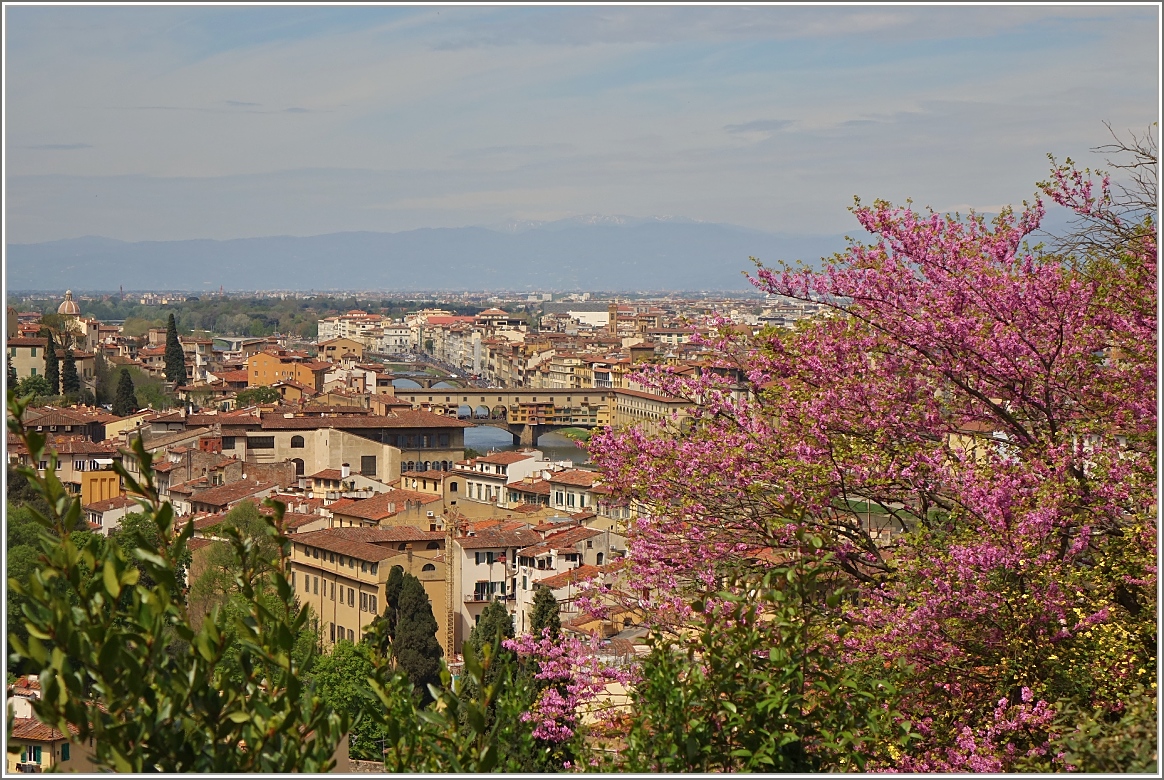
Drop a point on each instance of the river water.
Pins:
(484, 438)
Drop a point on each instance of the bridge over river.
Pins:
(526, 414)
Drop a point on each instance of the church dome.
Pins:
(68, 305)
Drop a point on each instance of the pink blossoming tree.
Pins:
(971, 429)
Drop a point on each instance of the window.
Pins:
(374, 567)
(525, 583)
(433, 546)
(364, 566)
(332, 625)
(372, 604)
(351, 636)
(599, 559)
(340, 632)
(260, 442)
(351, 597)
(36, 754)
(363, 602)
(34, 371)
(315, 585)
(78, 465)
(444, 439)
(589, 544)
(368, 465)
(333, 591)
(65, 752)
(428, 567)
(292, 580)
(297, 443)
(314, 552)
(453, 487)
(228, 442)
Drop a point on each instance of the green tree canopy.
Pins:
(125, 402)
(545, 613)
(175, 358)
(341, 678)
(70, 382)
(52, 371)
(416, 648)
(256, 395)
(35, 385)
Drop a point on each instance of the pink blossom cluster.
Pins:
(992, 400)
(575, 678)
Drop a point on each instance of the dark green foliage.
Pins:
(175, 358)
(36, 386)
(256, 395)
(545, 613)
(147, 702)
(770, 694)
(125, 402)
(1098, 742)
(342, 679)
(382, 630)
(12, 377)
(52, 371)
(494, 627)
(415, 647)
(70, 382)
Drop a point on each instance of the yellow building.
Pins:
(26, 354)
(341, 572)
(334, 350)
(273, 365)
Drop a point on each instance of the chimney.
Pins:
(345, 471)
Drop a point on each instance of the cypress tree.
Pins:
(416, 648)
(12, 378)
(545, 613)
(70, 382)
(52, 370)
(125, 402)
(382, 631)
(494, 626)
(175, 358)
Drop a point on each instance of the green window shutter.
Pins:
(36, 754)
(65, 752)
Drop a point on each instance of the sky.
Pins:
(178, 122)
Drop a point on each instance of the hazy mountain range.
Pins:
(592, 252)
(581, 253)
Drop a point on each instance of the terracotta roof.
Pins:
(335, 474)
(575, 477)
(401, 419)
(293, 521)
(228, 494)
(188, 488)
(562, 540)
(538, 487)
(328, 540)
(27, 341)
(396, 533)
(499, 539)
(580, 574)
(117, 502)
(382, 505)
(527, 508)
(195, 544)
(232, 376)
(33, 730)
